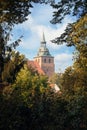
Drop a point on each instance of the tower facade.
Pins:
(44, 58)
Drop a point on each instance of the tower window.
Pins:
(49, 60)
(44, 60)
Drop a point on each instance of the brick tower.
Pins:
(44, 58)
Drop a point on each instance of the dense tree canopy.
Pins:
(74, 85)
(31, 104)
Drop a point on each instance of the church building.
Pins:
(44, 61)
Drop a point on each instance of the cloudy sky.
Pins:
(32, 31)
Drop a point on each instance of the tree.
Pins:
(56, 79)
(16, 11)
(12, 67)
(74, 91)
(31, 104)
(77, 115)
(11, 12)
(75, 33)
(24, 98)
(80, 66)
(68, 80)
(6, 50)
(67, 7)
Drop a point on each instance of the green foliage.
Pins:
(74, 78)
(76, 114)
(30, 84)
(74, 83)
(80, 66)
(74, 88)
(67, 7)
(31, 104)
(23, 100)
(16, 11)
(6, 50)
(11, 12)
(68, 80)
(74, 34)
(56, 79)
(12, 67)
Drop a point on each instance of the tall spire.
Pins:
(43, 38)
(43, 50)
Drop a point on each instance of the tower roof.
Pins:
(43, 38)
(43, 50)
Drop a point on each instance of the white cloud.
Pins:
(62, 61)
(38, 22)
(63, 57)
(34, 33)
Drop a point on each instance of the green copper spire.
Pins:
(43, 42)
(43, 50)
(43, 38)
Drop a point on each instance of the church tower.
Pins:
(44, 58)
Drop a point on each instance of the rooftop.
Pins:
(43, 50)
(34, 65)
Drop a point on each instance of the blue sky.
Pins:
(32, 31)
